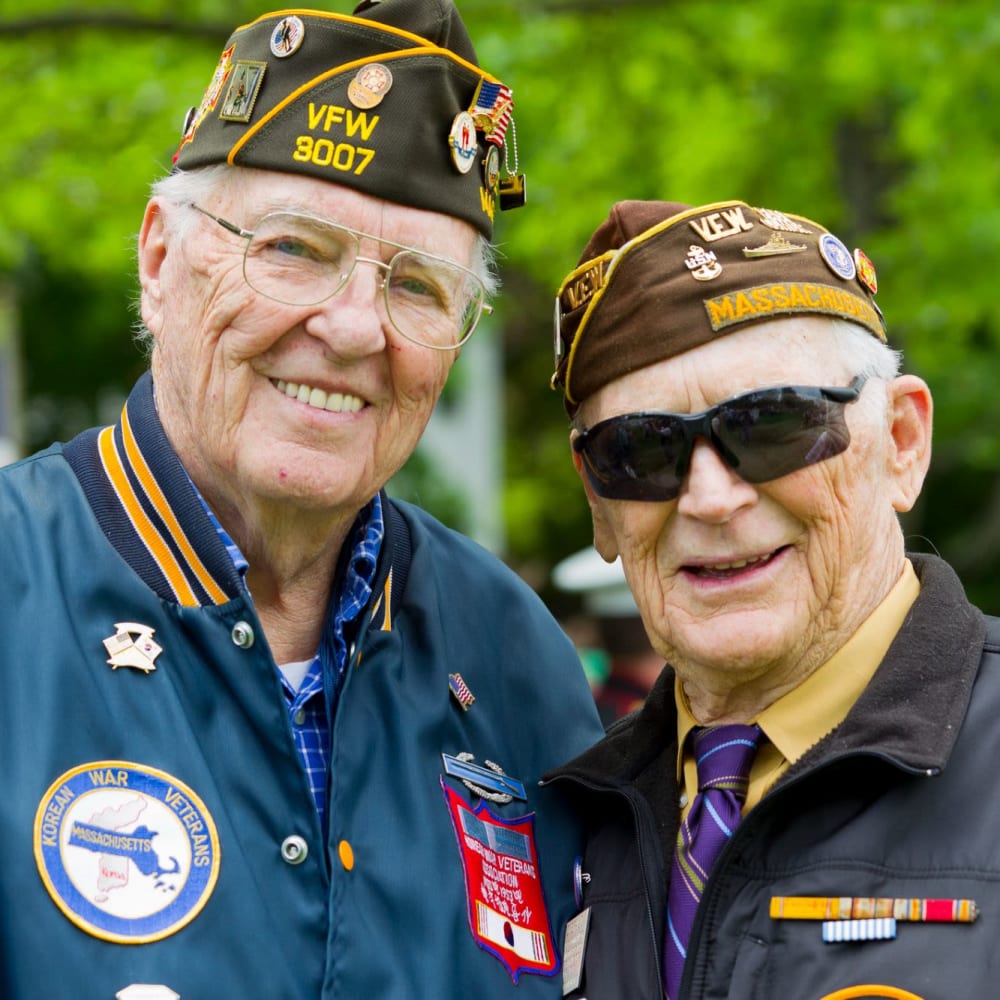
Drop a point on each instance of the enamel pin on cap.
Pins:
(371, 83)
(866, 270)
(241, 95)
(287, 37)
(462, 141)
(838, 258)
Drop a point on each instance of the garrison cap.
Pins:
(389, 100)
(660, 278)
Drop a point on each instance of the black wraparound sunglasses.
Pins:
(761, 435)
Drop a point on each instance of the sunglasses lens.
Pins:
(761, 435)
(635, 457)
(772, 433)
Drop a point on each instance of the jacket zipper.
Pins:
(634, 805)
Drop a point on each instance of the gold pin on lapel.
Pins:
(132, 645)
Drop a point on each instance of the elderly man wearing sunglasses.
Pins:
(805, 806)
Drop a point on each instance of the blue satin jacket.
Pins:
(157, 826)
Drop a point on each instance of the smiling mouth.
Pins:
(729, 570)
(334, 402)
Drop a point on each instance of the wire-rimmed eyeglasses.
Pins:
(302, 260)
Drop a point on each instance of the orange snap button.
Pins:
(346, 853)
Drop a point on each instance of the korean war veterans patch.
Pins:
(127, 852)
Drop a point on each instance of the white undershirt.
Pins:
(295, 672)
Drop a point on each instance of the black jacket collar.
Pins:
(911, 710)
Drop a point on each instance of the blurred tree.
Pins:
(875, 118)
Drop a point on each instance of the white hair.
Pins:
(863, 354)
(186, 187)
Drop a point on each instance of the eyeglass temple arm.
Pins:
(231, 226)
(848, 393)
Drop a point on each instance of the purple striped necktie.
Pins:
(723, 755)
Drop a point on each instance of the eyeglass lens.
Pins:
(761, 435)
(299, 260)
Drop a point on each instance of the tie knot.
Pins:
(724, 755)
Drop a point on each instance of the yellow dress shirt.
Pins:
(803, 716)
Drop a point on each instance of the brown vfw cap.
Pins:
(660, 278)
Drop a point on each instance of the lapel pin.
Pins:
(460, 691)
(949, 911)
(871, 929)
(487, 782)
(147, 991)
(132, 645)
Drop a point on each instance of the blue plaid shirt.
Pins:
(307, 707)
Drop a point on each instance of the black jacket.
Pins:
(900, 800)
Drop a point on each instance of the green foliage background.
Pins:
(877, 119)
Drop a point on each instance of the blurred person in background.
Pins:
(266, 732)
(623, 664)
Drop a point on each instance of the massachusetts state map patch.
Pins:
(127, 852)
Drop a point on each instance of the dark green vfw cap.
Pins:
(389, 100)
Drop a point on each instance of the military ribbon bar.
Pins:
(951, 911)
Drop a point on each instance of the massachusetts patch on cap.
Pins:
(128, 853)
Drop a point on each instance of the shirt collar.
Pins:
(819, 704)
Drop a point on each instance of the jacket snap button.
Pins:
(242, 635)
(346, 853)
(294, 849)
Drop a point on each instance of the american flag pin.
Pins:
(460, 691)
(492, 109)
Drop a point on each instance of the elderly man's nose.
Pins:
(353, 322)
(712, 491)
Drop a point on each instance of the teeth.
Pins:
(739, 564)
(335, 402)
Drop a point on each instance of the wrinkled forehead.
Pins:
(251, 195)
(795, 351)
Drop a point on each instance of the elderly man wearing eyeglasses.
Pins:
(267, 733)
(805, 806)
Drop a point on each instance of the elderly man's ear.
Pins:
(604, 539)
(911, 412)
(152, 252)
